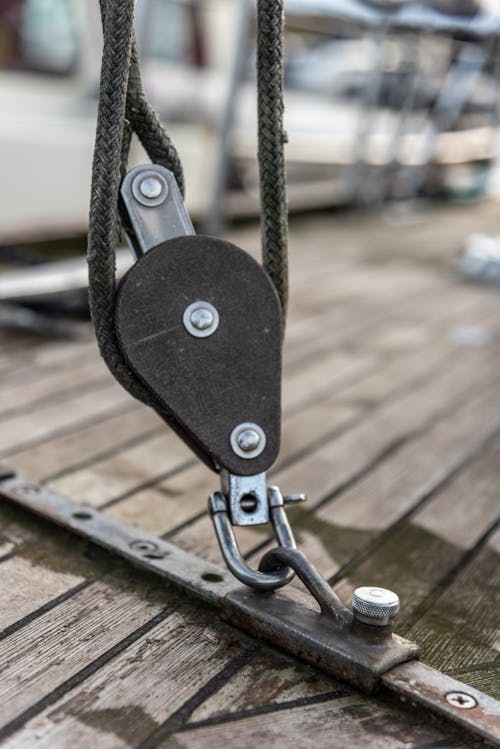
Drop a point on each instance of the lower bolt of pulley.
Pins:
(248, 440)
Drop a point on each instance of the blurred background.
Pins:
(387, 102)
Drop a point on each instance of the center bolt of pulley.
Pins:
(201, 319)
(248, 440)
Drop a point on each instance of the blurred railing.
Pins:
(420, 101)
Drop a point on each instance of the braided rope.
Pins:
(124, 109)
(272, 139)
(104, 228)
(146, 124)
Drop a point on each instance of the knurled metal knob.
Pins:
(375, 606)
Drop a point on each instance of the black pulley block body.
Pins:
(199, 322)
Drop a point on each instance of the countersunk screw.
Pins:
(144, 546)
(462, 700)
(148, 549)
(375, 606)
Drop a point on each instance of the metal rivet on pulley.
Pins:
(375, 606)
(248, 440)
(201, 319)
(150, 188)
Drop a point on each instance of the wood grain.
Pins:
(59, 643)
(391, 411)
(41, 566)
(421, 554)
(104, 436)
(181, 497)
(461, 624)
(24, 430)
(52, 385)
(337, 724)
(27, 362)
(379, 498)
(268, 680)
(131, 695)
(312, 425)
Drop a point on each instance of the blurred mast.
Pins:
(214, 218)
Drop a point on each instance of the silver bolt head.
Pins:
(462, 700)
(151, 188)
(202, 318)
(248, 440)
(375, 606)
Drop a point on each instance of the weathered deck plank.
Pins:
(391, 426)
(85, 673)
(337, 723)
(175, 660)
(422, 554)
(36, 357)
(361, 511)
(310, 425)
(100, 439)
(460, 625)
(53, 419)
(59, 643)
(57, 384)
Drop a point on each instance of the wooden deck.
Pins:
(392, 427)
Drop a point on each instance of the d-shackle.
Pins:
(219, 505)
